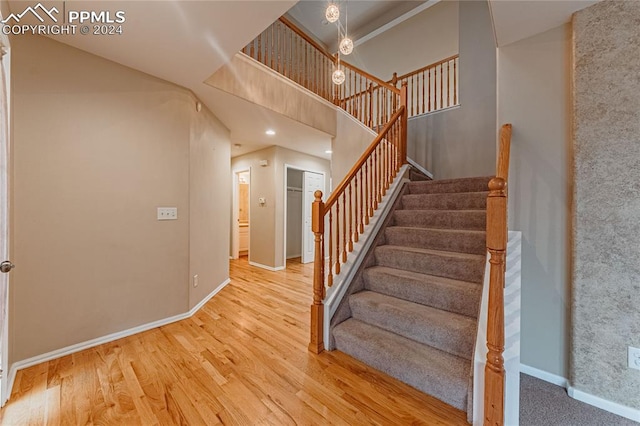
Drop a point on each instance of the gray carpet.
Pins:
(416, 316)
(544, 404)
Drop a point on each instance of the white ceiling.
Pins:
(365, 16)
(517, 20)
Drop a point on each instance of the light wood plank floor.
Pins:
(242, 359)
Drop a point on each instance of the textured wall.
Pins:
(606, 270)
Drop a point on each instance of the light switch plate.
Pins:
(634, 358)
(167, 213)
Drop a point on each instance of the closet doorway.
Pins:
(300, 185)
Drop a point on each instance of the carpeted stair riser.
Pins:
(447, 201)
(442, 219)
(480, 184)
(430, 370)
(449, 332)
(459, 266)
(465, 241)
(442, 293)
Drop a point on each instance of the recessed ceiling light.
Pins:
(328, 151)
(270, 132)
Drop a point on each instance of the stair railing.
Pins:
(494, 374)
(288, 50)
(338, 222)
(432, 87)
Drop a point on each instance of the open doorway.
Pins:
(294, 215)
(300, 186)
(241, 196)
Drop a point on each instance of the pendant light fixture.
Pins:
(346, 44)
(338, 76)
(332, 13)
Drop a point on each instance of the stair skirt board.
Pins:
(411, 309)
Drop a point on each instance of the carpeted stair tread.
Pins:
(430, 370)
(443, 293)
(463, 241)
(475, 184)
(442, 219)
(446, 201)
(449, 332)
(459, 266)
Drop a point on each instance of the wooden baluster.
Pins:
(259, 40)
(368, 210)
(338, 236)
(441, 87)
(387, 169)
(379, 171)
(374, 184)
(357, 211)
(422, 110)
(350, 219)
(429, 92)
(370, 96)
(316, 345)
(361, 205)
(344, 226)
(403, 126)
(330, 248)
(448, 88)
(455, 81)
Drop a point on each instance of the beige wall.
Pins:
(262, 218)
(97, 148)
(266, 223)
(351, 140)
(258, 84)
(209, 193)
(534, 95)
(421, 40)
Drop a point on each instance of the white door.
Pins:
(5, 264)
(311, 182)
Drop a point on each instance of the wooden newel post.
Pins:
(403, 140)
(316, 345)
(494, 375)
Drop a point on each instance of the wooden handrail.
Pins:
(371, 77)
(308, 39)
(337, 192)
(418, 71)
(497, 236)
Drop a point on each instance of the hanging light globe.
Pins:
(346, 46)
(332, 13)
(338, 77)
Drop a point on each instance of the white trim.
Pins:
(400, 19)
(544, 375)
(268, 268)
(235, 206)
(58, 353)
(419, 167)
(604, 404)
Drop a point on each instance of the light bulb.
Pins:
(346, 46)
(332, 13)
(338, 77)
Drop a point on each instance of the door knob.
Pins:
(6, 266)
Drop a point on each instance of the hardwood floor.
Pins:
(242, 359)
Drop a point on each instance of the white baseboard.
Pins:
(604, 404)
(544, 375)
(293, 256)
(58, 353)
(268, 268)
(419, 167)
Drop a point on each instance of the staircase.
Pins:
(416, 317)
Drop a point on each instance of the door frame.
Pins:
(5, 54)
(324, 197)
(235, 227)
